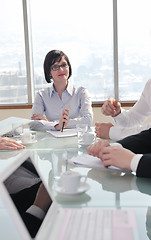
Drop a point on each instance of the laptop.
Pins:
(22, 185)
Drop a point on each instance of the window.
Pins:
(110, 58)
(83, 30)
(13, 84)
(134, 38)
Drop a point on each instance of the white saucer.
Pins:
(29, 143)
(82, 188)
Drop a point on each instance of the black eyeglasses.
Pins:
(56, 67)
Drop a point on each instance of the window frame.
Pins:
(29, 60)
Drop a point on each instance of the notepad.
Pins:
(88, 161)
(65, 133)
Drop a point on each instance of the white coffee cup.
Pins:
(70, 181)
(88, 138)
(27, 137)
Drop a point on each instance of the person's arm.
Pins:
(32, 223)
(41, 123)
(128, 121)
(85, 110)
(63, 121)
(111, 107)
(144, 166)
(95, 148)
(111, 155)
(126, 160)
(36, 211)
(139, 112)
(41, 203)
(118, 132)
(102, 130)
(35, 214)
(10, 144)
(139, 143)
(38, 106)
(116, 155)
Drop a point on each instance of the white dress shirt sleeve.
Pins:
(36, 211)
(129, 122)
(85, 113)
(118, 132)
(139, 112)
(116, 144)
(135, 161)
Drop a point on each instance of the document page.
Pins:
(6, 124)
(88, 161)
(65, 133)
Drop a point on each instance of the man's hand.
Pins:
(102, 130)
(95, 148)
(116, 156)
(111, 107)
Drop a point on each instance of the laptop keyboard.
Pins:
(93, 224)
(89, 224)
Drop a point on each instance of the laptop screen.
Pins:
(29, 195)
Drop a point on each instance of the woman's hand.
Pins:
(10, 144)
(63, 118)
(38, 117)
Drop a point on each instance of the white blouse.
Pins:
(48, 103)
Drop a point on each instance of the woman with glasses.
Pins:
(61, 104)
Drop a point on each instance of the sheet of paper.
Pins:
(88, 161)
(65, 133)
(6, 124)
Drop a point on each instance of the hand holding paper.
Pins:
(88, 161)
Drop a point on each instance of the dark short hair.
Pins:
(51, 58)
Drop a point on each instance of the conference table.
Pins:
(109, 188)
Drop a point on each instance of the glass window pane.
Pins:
(134, 38)
(13, 86)
(83, 30)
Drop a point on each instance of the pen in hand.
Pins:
(62, 126)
